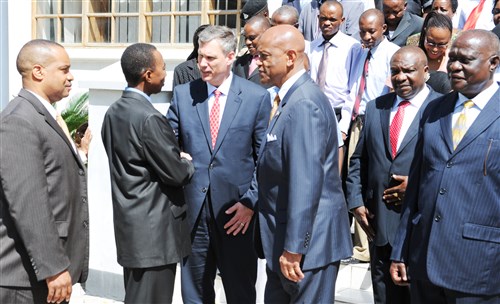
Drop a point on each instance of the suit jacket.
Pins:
(301, 204)
(410, 24)
(241, 67)
(44, 223)
(228, 170)
(372, 165)
(185, 72)
(450, 227)
(147, 175)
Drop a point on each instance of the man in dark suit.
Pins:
(303, 218)
(379, 166)
(44, 225)
(147, 174)
(220, 120)
(448, 237)
(246, 66)
(401, 24)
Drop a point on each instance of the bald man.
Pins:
(448, 238)
(381, 162)
(401, 24)
(245, 66)
(44, 225)
(302, 212)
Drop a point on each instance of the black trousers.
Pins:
(149, 285)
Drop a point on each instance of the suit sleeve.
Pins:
(304, 146)
(173, 116)
(249, 199)
(358, 170)
(25, 187)
(162, 152)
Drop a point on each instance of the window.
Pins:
(121, 22)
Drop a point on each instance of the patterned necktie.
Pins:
(323, 66)
(276, 103)
(214, 118)
(253, 65)
(460, 127)
(470, 24)
(362, 86)
(395, 127)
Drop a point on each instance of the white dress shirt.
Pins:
(224, 89)
(377, 80)
(480, 102)
(340, 53)
(410, 111)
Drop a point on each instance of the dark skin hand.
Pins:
(398, 274)
(363, 216)
(396, 194)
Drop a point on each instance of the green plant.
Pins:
(77, 112)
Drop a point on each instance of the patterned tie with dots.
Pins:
(214, 118)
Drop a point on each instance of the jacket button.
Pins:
(85, 224)
(449, 164)
(204, 190)
(442, 191)
(81, 172)
(437, 218)
(211, 166)
(84, 199)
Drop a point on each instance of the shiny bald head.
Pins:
(281, 50)
(409, 71)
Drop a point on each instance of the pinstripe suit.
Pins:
(43, 201)
(449, 234)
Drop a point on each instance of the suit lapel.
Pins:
(233, 102)
(447, 107)
(50, 121)
(200, 100)
(405, 22)
(385, 115)
(486, 117)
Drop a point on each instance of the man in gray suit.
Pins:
(303, 218)
(147, 174)
(44, 234)
(379, 167)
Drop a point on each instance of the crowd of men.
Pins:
(264, 155)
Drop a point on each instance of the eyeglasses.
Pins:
(495, 11)
(436, 45)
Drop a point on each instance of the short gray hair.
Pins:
(225, 36)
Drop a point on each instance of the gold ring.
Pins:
(242, 224)
(396, 195)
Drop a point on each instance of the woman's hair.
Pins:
(434, 20)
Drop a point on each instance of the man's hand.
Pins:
(60, 287)
(396, 194)
(344, 136)
(186, 156)
(398, 274)
(241, 219)
(362, 215)
(290, 266)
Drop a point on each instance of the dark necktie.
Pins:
(396, 124)
(214, 118)
(362, 86)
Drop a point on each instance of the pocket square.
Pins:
(271, 137)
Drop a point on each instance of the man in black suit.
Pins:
(401, 24)
(44, 234)
(246, 65)
(147, 174)
(220, 120)
(379, 167)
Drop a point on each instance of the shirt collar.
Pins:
(289, 83)
(46, 104)
(481, 99)
(223, 88)
(417, 100)
(138, 92)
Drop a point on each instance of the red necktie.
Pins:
(470, 24)
(396, 124)
(214, 118)
(362, 86)
(253, 65)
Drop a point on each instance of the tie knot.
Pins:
(468, 104)
(217, 93)
(404, 104)
(326, 44)
(276, 100)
